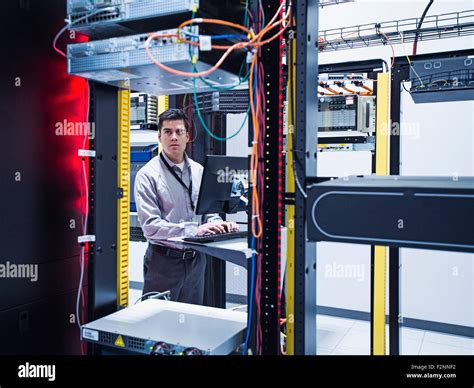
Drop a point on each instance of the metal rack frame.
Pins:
(401, 73)
(306, 136)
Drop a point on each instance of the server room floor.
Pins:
(341, 336)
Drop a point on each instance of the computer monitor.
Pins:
(224, 183)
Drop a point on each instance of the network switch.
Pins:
(159, 327)
(123, 62)
(113, 18)
(346, 113)
(143, 111)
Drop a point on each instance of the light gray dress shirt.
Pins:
(163, 204)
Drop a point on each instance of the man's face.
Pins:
(173, 137)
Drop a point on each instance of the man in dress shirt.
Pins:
(166, 193)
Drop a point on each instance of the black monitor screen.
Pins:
(224, 182)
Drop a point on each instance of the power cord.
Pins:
(415, 42)
(155, 295)
(71, 23)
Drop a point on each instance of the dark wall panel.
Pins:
(40, 175)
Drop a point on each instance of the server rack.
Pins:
(401, 73)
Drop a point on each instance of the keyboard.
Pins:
(215, 237)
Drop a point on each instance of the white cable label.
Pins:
(205, 43)
(88, 153)
(249, 57)
(86, 238)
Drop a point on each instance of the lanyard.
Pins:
(188, 189)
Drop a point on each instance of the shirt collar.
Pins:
(172, 164)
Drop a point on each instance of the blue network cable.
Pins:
(241, 80)
(251, 297)
(217, 37)
(203, 123)
(201, 119)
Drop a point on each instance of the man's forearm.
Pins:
(159, 229)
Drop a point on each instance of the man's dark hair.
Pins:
(172, 114)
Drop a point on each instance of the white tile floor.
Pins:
(341, 336)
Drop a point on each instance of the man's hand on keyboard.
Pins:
(213, 228)
(230, 226)
(210, 228)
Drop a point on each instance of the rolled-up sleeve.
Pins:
(212, 218)
(154, 227)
